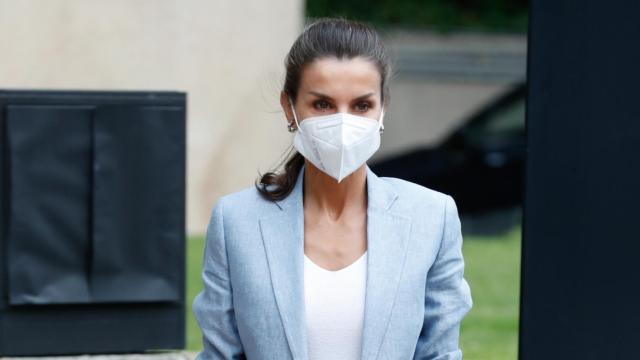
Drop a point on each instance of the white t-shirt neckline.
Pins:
(346, 268)
(334, 309)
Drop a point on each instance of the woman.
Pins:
(328, 260)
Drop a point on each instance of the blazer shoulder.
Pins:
(246, 202)
(411, 193)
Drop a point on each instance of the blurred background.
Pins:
(455, 121)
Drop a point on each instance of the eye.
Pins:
(363, 106)
(321, 104)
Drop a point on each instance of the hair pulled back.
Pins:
(325, 37)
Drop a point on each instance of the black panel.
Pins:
(92, 329)
(48, 228)
(581, 243)
(92, 222)
(138, 203)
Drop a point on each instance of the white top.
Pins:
(334, 306)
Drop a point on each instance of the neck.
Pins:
(326, 195)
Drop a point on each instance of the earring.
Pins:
(290, 127)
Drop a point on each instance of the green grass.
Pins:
(492, 268)
(195, 247)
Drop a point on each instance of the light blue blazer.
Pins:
(252, 304)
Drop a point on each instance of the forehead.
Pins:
(340, 77)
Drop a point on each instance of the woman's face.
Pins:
(331, 85)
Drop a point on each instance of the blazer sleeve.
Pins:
(213, 306)
(447, 296)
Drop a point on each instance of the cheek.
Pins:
(307, 109)
(304, 112)
(300, 109)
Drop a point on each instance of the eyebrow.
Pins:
(324, 96)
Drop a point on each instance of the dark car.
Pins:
(480, 164)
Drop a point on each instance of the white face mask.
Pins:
(338, 144)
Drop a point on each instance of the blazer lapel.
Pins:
(387, 239)
(283, 237)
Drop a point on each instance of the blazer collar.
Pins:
(380, 193)
(387, 239)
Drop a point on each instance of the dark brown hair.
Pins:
(325, 37)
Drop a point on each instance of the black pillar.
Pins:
(580, 292)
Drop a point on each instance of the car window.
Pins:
(498, 125)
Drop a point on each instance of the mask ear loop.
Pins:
(381, 128)
(295, 117)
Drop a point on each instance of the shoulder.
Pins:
(416, 197)
(409, 189)
(246, 203)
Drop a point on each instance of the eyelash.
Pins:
(318, 102)
(363, 103)
(317, 106)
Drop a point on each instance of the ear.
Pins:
(284, 102)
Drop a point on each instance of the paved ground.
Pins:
(181, 355)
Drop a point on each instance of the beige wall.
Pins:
(227, 55)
